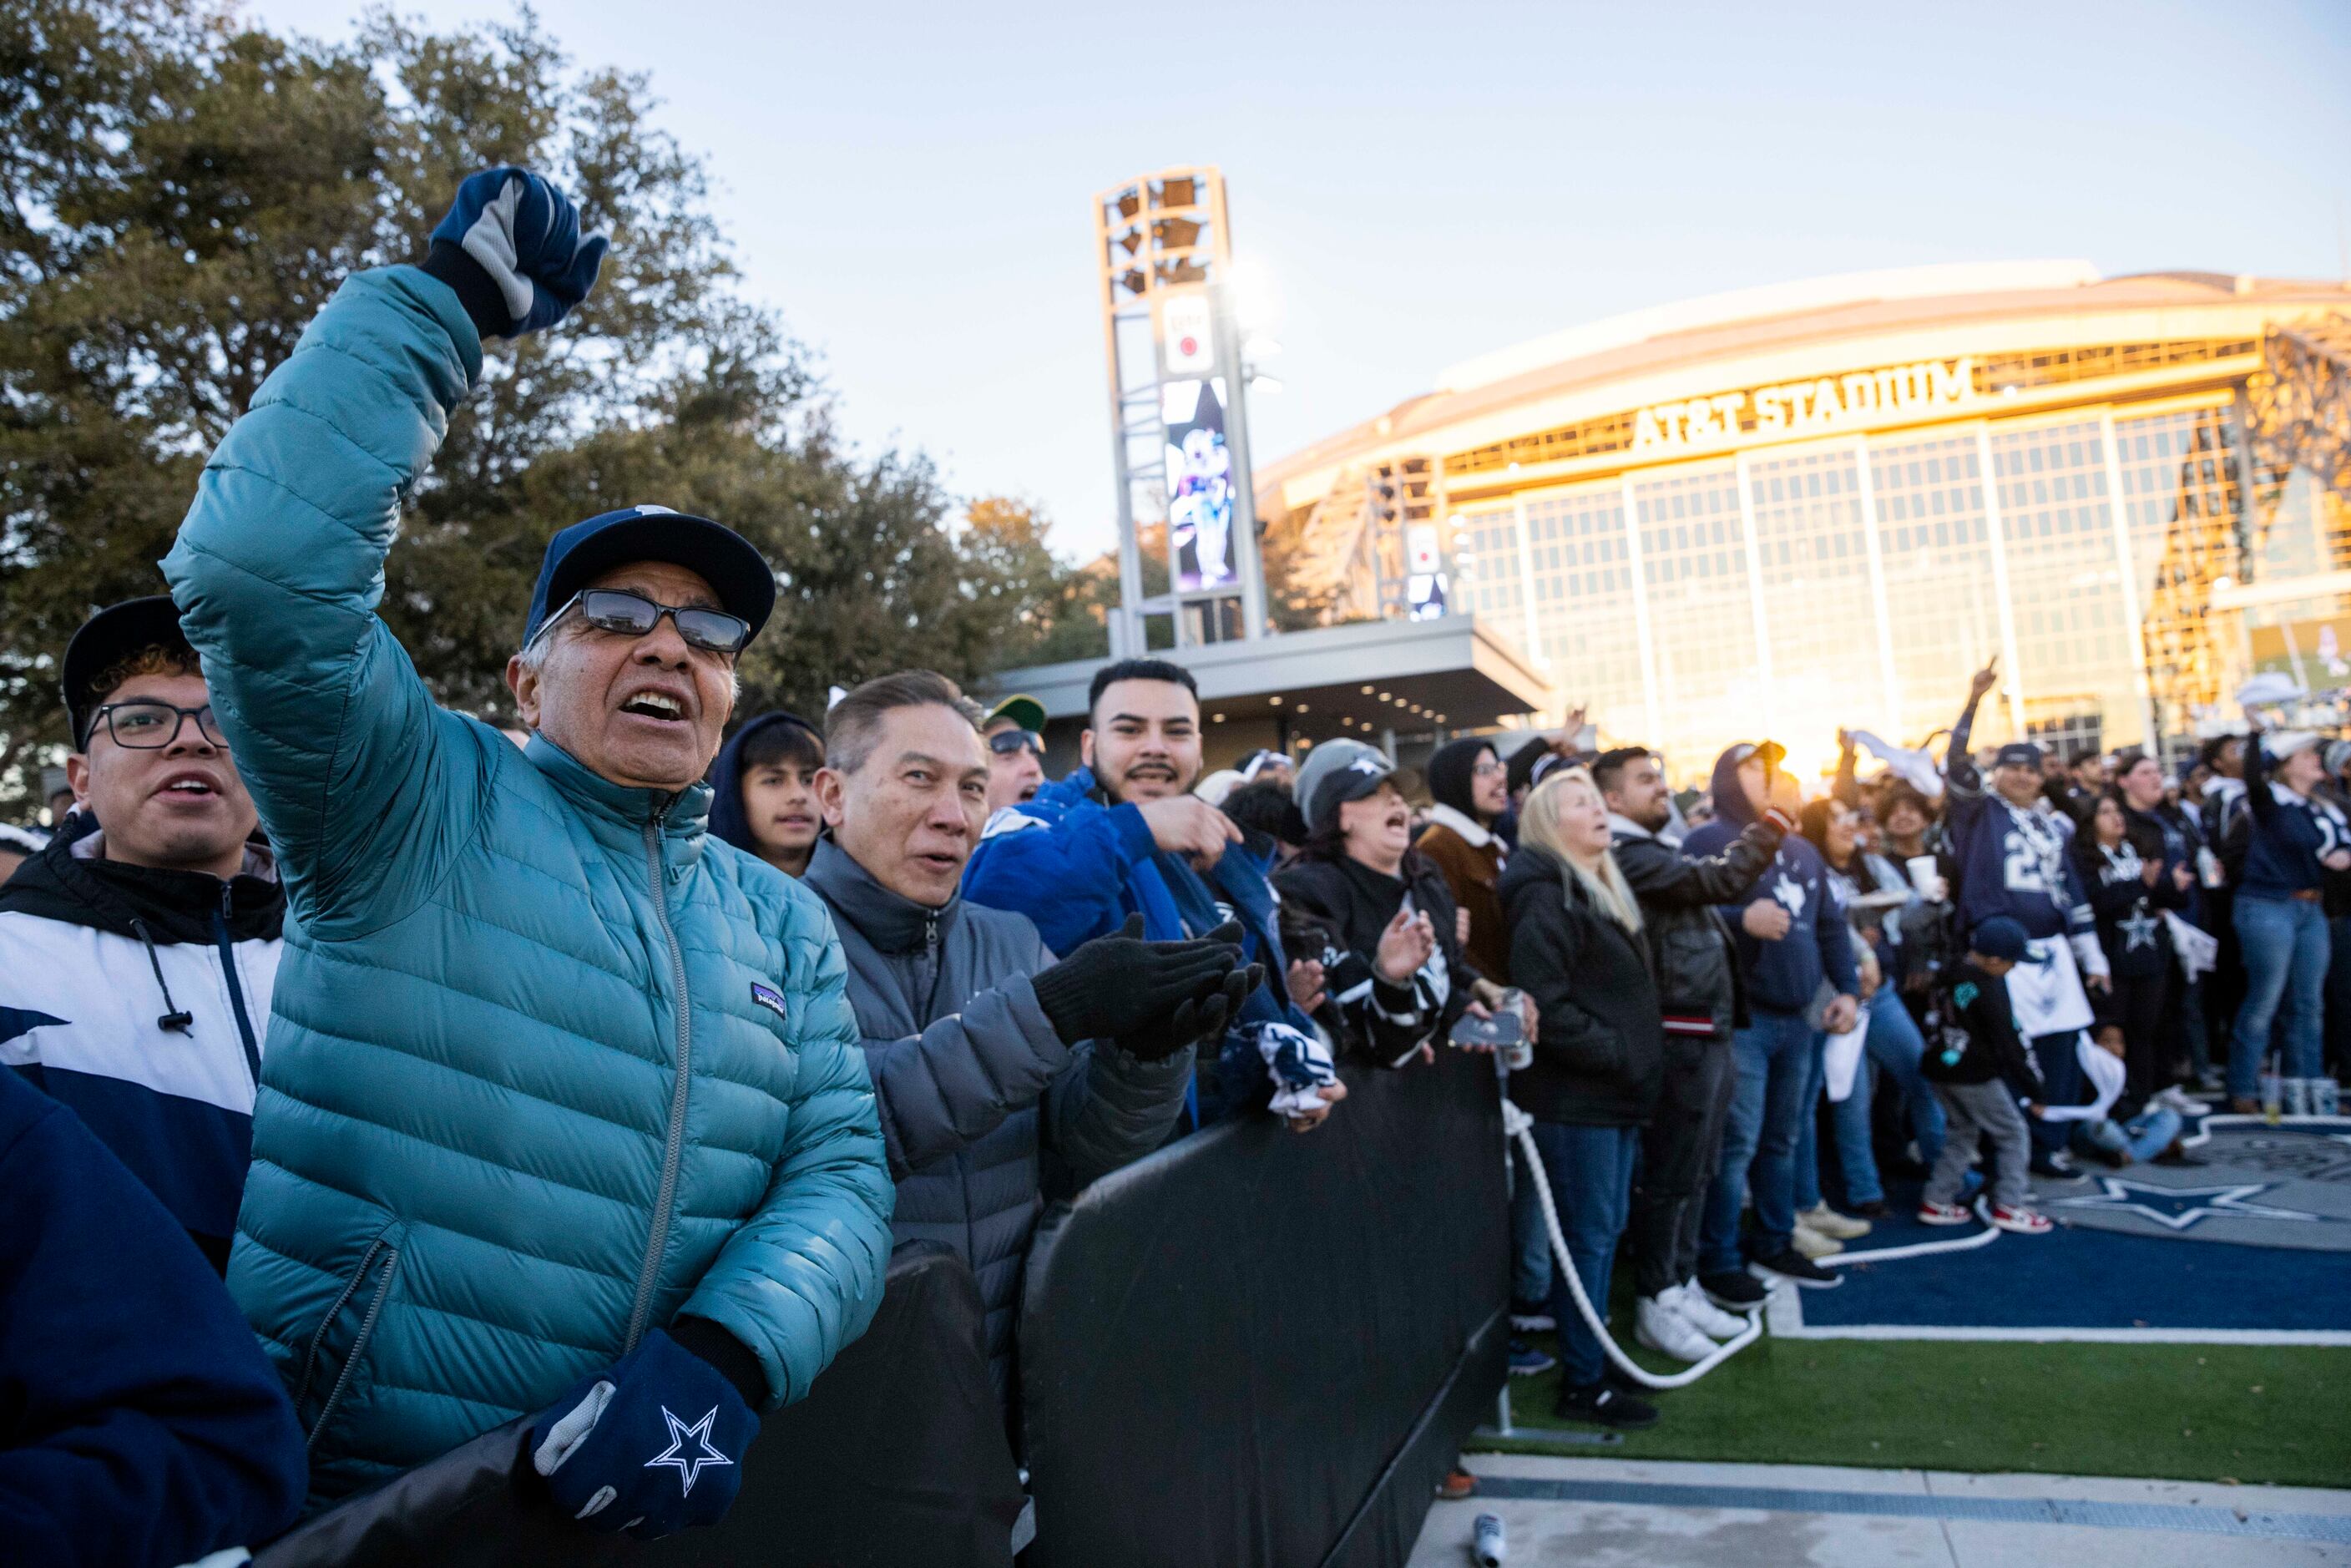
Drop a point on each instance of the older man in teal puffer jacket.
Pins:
(562, 1109)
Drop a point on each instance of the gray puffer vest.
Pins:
(964, 1060)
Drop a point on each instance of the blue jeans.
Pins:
(2142, 1138)
(1804, 1188)
(2285, 946)
(1529, 1241)
(1590, 1171)
(1892, 1047)
(1773, 1056)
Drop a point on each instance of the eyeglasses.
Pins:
(633, 616)
(150, 726)
(1488, 769)
(1005, 742)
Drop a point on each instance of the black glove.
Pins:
(1198, 1021)
(1114, 986)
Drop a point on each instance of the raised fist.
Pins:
(525, 234)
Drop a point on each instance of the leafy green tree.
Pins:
(184, 190)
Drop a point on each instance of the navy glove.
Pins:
(653, 1445)
(524, 234)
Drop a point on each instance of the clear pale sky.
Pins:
(1413, 185)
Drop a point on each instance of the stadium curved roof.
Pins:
(1818, 326)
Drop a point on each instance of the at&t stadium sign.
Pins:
(1793, 409)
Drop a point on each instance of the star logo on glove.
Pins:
(688, 1466)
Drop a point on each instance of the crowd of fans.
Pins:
(587, 1073)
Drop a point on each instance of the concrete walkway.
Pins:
(1602, 1513)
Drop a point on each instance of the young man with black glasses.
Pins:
(138, 949)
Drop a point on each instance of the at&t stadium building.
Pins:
(1792, 508)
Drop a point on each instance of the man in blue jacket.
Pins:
(140, 1427)
(1774, 1054)
(563, 1111)
(1122, 836)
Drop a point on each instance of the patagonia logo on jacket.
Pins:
(771, 1000)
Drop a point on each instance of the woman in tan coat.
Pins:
(1466, 780)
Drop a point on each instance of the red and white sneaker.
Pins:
(2021, 1221)
(1943, 1214)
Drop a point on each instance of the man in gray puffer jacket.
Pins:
(982, 1048)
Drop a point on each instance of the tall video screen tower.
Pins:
(1179, 424)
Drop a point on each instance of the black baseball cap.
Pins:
(105, 640)
(2001, 937)
(724, 559)
(2017, 754)
(1359, 772)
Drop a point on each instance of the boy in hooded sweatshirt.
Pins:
(1776, 1055)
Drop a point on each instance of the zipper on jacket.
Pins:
(359, 1344)
(310, 1359)
(236, 989)
(673, 1145)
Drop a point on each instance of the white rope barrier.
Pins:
(1518, 1125)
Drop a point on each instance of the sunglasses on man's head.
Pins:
(631, 614)
(1005, 742)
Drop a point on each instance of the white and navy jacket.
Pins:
(138, 997)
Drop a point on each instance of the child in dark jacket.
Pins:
(1980, 1070)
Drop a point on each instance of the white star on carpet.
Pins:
(2181, 1206)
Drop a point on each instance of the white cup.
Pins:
(1926, 878)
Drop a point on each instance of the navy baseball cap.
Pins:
(2017, 754)
(583, 552)
(105, 640)
(2001, 937)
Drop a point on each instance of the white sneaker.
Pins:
(1813, 1244)
(1702, 1314)
(2178, 1099)
(1658, 1326)
(1830, 1224)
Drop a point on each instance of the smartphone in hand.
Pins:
(1505, 1028)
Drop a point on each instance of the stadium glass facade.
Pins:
(2056, 476)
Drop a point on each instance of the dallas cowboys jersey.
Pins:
(2129, 910)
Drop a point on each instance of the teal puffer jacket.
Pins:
(547, 1066)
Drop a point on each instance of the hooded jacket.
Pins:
(1690, 949)
(140, 996)
(549, 1066)
(1077, 866)
(972, 1079)
(1470, 854)
(1600, 1053)
(140, 1427)
(728, 820)
(1782, 977)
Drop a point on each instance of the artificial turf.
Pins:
(2245, 1413)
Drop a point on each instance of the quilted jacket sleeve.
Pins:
(1108, 1108)
(801, 1278)
(359, 779)
(948, 1087)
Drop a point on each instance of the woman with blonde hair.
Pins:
(1578, 951)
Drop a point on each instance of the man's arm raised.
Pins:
(278, 567)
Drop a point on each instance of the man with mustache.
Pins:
(564, 1115)
(138, 950)
(1120, 836)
